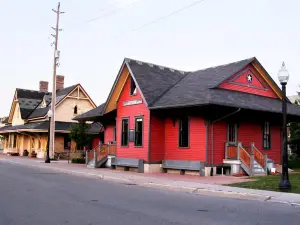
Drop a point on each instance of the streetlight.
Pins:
(49, 114)
(283, 76)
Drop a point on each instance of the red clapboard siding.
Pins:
(109, 133)
(197, 149)
(157, 139)
(217, 141)
(249, 132)
(131, 111)
(240, 83)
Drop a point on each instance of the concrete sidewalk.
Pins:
(192, 184)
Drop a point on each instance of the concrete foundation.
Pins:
(234, 164)
(108, 162)
(152, 168)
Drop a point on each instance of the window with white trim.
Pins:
(124, 132)
(138, 134)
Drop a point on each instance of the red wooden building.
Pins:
(227, 116)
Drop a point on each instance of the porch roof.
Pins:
(43, 127)
(91, 115)
(229, 98)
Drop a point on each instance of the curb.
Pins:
(208, 192)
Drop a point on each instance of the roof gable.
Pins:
(249, 80)
(151, 80)
(74, 91)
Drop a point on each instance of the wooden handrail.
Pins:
(245, 157)
(101, 151)
(259, 157)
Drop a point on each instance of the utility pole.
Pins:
(55, 65)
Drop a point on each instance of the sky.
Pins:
(210, 33)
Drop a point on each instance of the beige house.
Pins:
(2, 124)
(27, 124)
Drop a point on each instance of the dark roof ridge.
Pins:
(218, 66)
(153, 64)
(24, 89)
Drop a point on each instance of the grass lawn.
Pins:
(271, 183)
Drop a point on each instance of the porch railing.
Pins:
(259, 157)
(247, 155)
(244, 156)
(99, 152)
(231, 151)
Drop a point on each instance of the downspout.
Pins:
(212, 132)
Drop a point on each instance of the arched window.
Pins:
(75, 109)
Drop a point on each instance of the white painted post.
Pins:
(252, 164)
(252, 148)
(238, 150)
(226, 150)
(95, 158)
(266, 164)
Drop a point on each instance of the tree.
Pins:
(294, 141)
(80, 135)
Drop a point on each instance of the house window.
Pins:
(138, 134)
(266, 136)
(184, 132)
(75, 109)
(132, 87)
(232, 133)
(125, 127)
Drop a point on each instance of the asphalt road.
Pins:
(29, 196)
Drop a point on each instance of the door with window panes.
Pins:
(232, 134)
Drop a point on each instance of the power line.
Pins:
(113, 5)
(113, 12)
(160, 18)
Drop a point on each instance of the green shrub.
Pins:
(78, 160)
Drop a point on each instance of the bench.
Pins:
(183, 165)
(13, 153)
(128, 163)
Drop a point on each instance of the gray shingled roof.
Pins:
(249, 101)
(194, 88)
(59, 126)
(92, 114)
(39, 112)
(169, 88)
(30, 100)
(152, 79)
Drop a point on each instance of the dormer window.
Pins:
(132, 87)
(75, 109)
